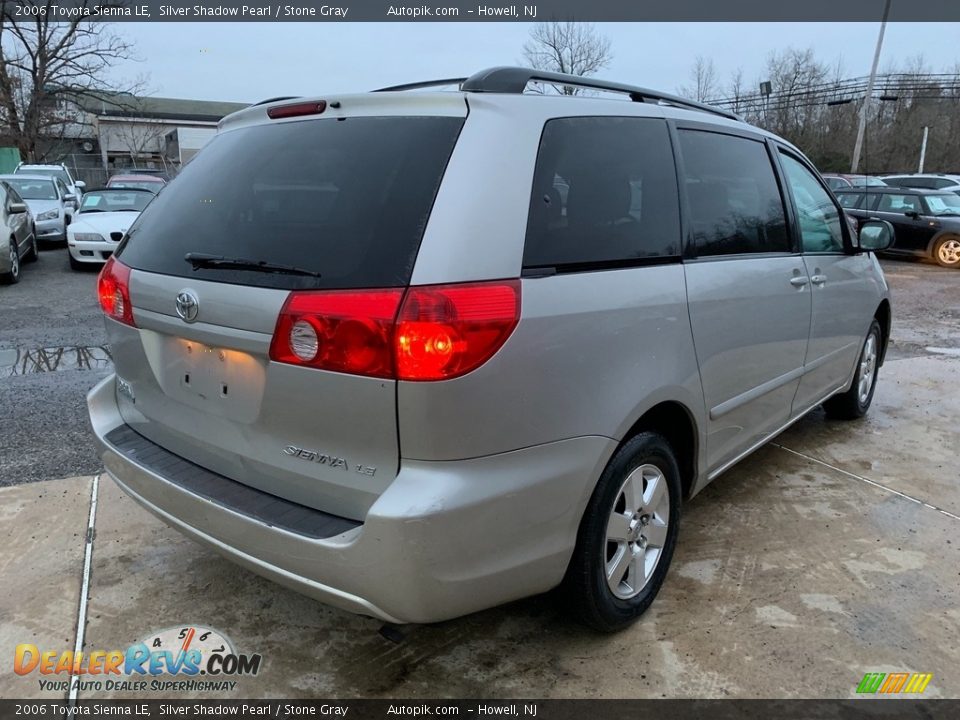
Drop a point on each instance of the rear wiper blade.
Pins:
(203, 260)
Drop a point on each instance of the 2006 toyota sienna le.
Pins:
(418, 353)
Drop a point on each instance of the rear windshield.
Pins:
(346, 198)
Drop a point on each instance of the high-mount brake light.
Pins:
(297, 109)
(113, 291)
(435, 332)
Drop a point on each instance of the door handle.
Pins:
(818, 279)
(798, 280)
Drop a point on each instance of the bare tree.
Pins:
(706, 85)
(573, 48)
(48, 64)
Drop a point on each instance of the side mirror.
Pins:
(875, 235)
(80, 184)
(17, 208)
(69, 197)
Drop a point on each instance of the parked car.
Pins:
(839, 181)
(153, 183)
(925, 222)
(49, 202)
(18, 239)
(949, 183)
(102, 221)
(338, 367)
(59, 171)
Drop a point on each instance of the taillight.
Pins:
(113, 289)
(445, 331)
(437, 332)
(349, 331)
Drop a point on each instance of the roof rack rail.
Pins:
(421, 85)
(514, 80)
(277, 99)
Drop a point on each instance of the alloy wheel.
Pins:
(868, 368)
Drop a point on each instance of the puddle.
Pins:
(54, 359)
(943, 351)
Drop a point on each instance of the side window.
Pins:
(897, 203)
(850, 200)
(819, 218)
(735, 203)
(604, 191)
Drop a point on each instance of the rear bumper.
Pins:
(444, 539)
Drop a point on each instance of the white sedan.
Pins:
(101, 222)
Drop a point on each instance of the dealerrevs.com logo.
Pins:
(186, 658)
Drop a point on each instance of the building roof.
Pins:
(124, 105)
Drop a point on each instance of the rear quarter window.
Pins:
(346, 198)
(604, 195)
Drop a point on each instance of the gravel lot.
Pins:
(43, 424)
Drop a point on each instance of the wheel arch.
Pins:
(677, 424)
(884, 317)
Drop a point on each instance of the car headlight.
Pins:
(88, 237)
(48, 215)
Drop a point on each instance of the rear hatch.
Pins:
(323, 210)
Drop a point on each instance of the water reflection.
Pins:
(53, 359)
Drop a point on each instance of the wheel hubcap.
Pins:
(636, 531)
(950, 252)
(14, 261)
(868, 368)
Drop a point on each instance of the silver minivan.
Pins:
(417, 353)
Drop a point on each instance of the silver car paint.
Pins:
(481, 481)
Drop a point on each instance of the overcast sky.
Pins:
(248, 62)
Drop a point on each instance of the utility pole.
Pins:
(867, 100)
(923, 147)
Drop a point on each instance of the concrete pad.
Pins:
(791, 580)
(908, 440)
(44, 527)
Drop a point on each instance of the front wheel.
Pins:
(855, 402)
(13, 274)
(627, 535)
(946, 252)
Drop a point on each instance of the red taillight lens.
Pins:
(349, 331)
(445, 331)
(297, 109)
(113, 289)
(438, 332)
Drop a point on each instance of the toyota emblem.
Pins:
(188, 306)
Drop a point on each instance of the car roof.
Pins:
(139, 177)
(117, 189)
(878, 189)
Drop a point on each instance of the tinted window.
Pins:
(851, 199)
(817, 216)
(735, 204)
(345, 198)
(894, 202)
(604, 191)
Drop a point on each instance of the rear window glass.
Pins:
(604, 194)
(348, 199)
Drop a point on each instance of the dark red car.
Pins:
(152, 183)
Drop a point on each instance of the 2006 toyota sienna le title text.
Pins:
(416, 353)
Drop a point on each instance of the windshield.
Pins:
(153, 187)
(34, 189)
(347, 199)
(49, 172)
(115, 200)
(943, 204)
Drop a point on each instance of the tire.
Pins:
(74, 264)
(645, 464)
(855, 402)
(13, 275)
(33, 254)
(946, 251)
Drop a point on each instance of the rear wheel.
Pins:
(946, 251)
(13, 275)
(627, 535)
(855, 402)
